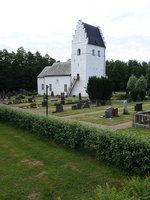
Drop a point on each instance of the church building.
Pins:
(87, 59)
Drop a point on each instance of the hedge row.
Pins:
(124, 150)
(134, 189)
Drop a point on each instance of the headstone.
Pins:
(125, 110)
(115, 112)
(30, 100)
(79, 105)
(80, 98)
(52, 93)
(16, 101)
(86, 105)
(109, 113)
(74, 107)
(59, 108)
(44, 103)
(33, 105)
(97, 103)
(63, 98)
(138, 107)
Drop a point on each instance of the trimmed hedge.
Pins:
(124, 150)
(134, 189)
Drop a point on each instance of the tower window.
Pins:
(93, 52)
(99, 54)
(79, 52)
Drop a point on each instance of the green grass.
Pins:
(31, 168)
(99, 119)
(137, 131)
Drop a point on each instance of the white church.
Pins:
(87, 59)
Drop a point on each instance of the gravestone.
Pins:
(59, 108)
(115, 112)
(125, 110)
(44, 102)
(109, 113)
(97, 103)
(52, 93)
(63, 98)
(79, 105)
(86, 105)
(30, 100)
(74, 107)
(80, 98)
(33, 105)
(138, 107)
(16, 101)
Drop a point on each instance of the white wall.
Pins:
(40, 81)
(95, 65)
(57, 83)
(78, 62)
(85, 64)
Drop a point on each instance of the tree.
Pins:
(148, 77)
(141, 84)
(99, 88)
(131, 82)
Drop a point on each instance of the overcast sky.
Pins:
(48, 26)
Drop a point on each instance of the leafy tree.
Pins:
(148, 77)
(131, 82)
(141, 84)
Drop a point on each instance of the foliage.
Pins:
(137, 87)
(99, 88)
(135, 189)
(148, 77)
(131, 82)
(20, 69)
(141, 84)
(119, 72)
(128, 151)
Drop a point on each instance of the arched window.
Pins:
(79, 52)
(99, 54)
(93, 52)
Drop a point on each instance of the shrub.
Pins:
(134, 189)
(130, 152)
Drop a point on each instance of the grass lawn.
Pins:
(99, 119)
(137, 131)
(31, 168)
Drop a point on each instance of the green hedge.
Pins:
(134, 189)
(124, 150)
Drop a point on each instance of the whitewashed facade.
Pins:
(87, 59)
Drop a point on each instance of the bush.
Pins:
(130, 152)
(135, 189)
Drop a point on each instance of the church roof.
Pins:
(57, 69)
(94, 35)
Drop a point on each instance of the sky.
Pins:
(48, 26)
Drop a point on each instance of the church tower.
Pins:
(88, 56)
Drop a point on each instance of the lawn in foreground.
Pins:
(31, 168)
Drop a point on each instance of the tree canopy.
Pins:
(20, 69)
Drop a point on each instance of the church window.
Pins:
(79, 52)
(99, 54)
(50, 87)
(93, 52)
(65, 87)
(42, 86)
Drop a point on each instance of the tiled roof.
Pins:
(57, 69)
(94, 35)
